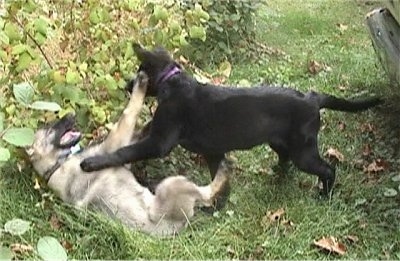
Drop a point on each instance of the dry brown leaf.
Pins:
(55, 223)
(352, 238)
(66, 245)
(331, 244)
(334, 153)
(287, 222)
(377, 165)
(342, 126)
(37, 184)
(183, 60)
(230, 250)
(367, 150)
(21, 248)
(314, 67)
(276, 215)
(367, 128)
(342, 27)
(218, 80)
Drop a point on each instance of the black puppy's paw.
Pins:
(91, 164)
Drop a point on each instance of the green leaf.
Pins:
(389, 192)
(49, 248)
(18, 49)
(72, 77)
(95, 16)
(41, 26)
(4, 154)
(23, 92)
(160, 13)
(23, 62)
(40, 38)
(45, 105)
(6, 254)
(12, 32)
(111, 83)
(19, 136)
(4, 38)
(1, 121)
(17, 226)
(197, 32)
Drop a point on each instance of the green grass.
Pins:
(305, 31)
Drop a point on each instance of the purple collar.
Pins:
(169, 72)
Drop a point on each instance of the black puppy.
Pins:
(212, 120)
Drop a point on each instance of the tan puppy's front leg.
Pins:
(122, 131)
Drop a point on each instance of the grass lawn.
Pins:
(333, 35)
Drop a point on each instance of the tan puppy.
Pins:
(115, 191)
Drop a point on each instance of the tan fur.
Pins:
(115, 191)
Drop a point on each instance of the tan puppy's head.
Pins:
(52, 143)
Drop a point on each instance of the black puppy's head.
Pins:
(155, 64)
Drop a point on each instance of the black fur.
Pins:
(212, 120)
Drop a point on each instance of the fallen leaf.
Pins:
(288, 223)
(37, 184)
(314, 67)
(342, 126)
(360, 201)
(367, 150)
(396, 178)
(342, 27)
(49, 248)
(6, 254)
(218, 80)
(276, 215)
(367, 128)
(183, 60)
(352, 238)
(389, 192)
(377, 165)
(55, 223)
(67, 245)
(230, 250)
(334, 153)
(331, 244)
(21, 248)
(17, 226)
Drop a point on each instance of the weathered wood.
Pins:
(385, 35)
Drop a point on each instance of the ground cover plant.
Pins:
(84, 56)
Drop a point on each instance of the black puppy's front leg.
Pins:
(152, 146)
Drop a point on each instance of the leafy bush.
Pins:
(231, 27)
(77, 54)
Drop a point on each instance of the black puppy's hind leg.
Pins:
(308, 160)
(214, 162)
(283, 155)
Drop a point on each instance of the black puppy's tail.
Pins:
(339, 104)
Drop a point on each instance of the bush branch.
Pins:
(34, 41)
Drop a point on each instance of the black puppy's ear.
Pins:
(141, 53)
